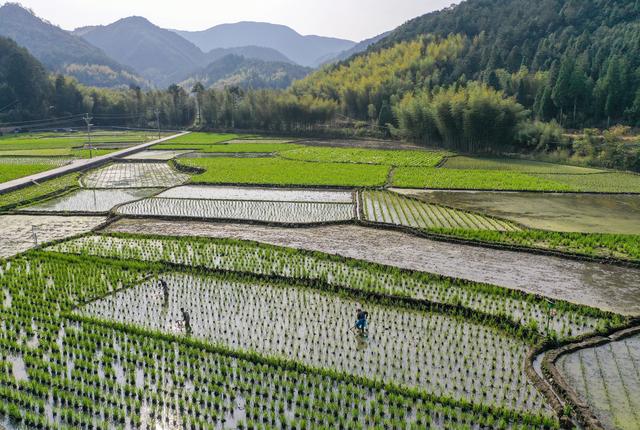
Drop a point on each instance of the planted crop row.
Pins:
(569, 320)
(264, 211)
(36, 192)
(433, 352)
(607, 378)
(599, 245)
(391, 208)
(134, 175)
(78, 373)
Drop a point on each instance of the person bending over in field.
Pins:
(186, 319)
(165, 291)
(361, 321)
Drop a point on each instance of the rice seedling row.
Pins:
(9, 172)
(597, 245)
(513, 164)
(62, 371)
(258, 194)
(134, 175)
(392, 208)
(433, 352)
(263, 211)
(607, 378)
(527, 310)
(157, 155)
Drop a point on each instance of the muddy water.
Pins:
(587, 213)
(17, 231)
(94, 201)
(604, 286)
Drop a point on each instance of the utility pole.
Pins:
(157, 112)
(87, 120)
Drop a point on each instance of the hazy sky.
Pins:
(351, 19)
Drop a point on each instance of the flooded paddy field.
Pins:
(258, 194)
(275, 319)
(134, 175)
(607, 378)
(587, 213)
(94, 200)
(247, 210)
(604, 286)
(392, 208)
(17, 231)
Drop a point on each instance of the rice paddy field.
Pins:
(223, 291)
(134, 175)
(607, 378)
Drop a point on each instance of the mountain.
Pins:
(357, 49)
(24, 84)
(304, 50)
(159, 55)
(61, 51)
(255, 52)
(236, 70)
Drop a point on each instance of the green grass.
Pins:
(600, 245)
(9, 172)
(367, 156)
(249, 147)
(515, 165)
(200, 138)
(59, 152)
(614, 182)
(36, 192)
(46, 141)
(285, 172)
(415, 177)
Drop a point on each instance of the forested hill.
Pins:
(572, 60)
(61, 51)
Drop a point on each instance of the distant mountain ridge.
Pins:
(61, 51)
(159, 55)
(236, 70)
(305, 50)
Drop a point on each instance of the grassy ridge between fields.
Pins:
(35, 192)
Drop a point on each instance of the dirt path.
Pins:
(608, 287)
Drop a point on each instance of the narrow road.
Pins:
(80, 165)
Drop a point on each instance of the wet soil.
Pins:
(604, 286)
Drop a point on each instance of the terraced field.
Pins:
(391, 208)
(141, 331)
(607, 378)
(134, 175)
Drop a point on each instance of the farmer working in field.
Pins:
(165, 291)
(187, 321)
(361, 321)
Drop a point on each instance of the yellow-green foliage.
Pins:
(363, 80)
